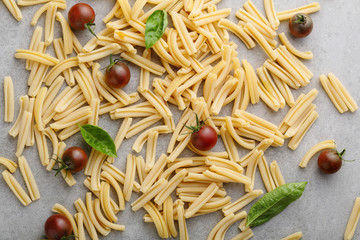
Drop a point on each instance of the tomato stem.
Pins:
(300, 19)
(199, 125)
(112, 63)
(91, 27)
(62, 166)
(68, 237)
(341, 156)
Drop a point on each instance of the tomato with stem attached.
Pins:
(117, 74)
(300, 25)
(330, 160)
(203, 137)
(74, 159)
(81, 16)
(58, 227)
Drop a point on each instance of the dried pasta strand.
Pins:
(28, 178)
(16, 188)
(42, 58)
(201, 200)
(10, 165)
(99, 53)
(292, 49)
(129, 176)
(148, 195)
(333, 94)
(103, 220)
(25, 129)
(117, 188)
(262, 42)
(81, 208)
(67, 34)
(306, 9)
(143, 63)
(13, 9)
(276, 174)
(103, 230)
(353, 220)
(183, 232)
(79, 217)
(294, 236)
(271, 13)
(8, 99)
(241, 202)
(296, 139)
(344, 94)
(327, 144)
(170, 187)
(158, 219)
(245, 235)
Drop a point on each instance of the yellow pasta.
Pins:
(129, 177)
(67, 33)
(29, 179)
(271, 13)
(276, 174)
(144, 63)
(306, 9)
(328, 144)
(8, 99)
(294, 236)
(353, 220)
(16, 188)
(296, 139)
(13, 9)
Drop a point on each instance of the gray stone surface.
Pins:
(323, 210)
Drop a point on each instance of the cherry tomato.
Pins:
(57, 227)
(330, 161)
(205, 138)
(117, 74)
(82, 16)
(300, 25)
(75, 159)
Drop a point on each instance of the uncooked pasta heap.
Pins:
(200, 72)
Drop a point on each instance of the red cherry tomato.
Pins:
(300, 25)
(117, 74)
(330, 161)
(75, 159)
(204, 139)
(57, 227)
(81, 16)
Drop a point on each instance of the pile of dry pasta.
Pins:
(200, 72)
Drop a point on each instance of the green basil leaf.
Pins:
(272, 203)
(99, 139)
(155, 27)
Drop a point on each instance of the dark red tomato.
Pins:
(204, 139)
(81, 16)
(75, 158)
(329, 161)
(300, 25)
(57, 226)
(117, 74)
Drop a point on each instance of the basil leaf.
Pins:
(99, 139)
(272, 203)
(155, 27)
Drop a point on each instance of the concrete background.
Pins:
(323, 210)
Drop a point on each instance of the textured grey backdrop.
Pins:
(323, 210)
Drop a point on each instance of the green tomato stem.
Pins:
(91, 27)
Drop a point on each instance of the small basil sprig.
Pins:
(272, 203)
(99, 139)
(155, 27)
